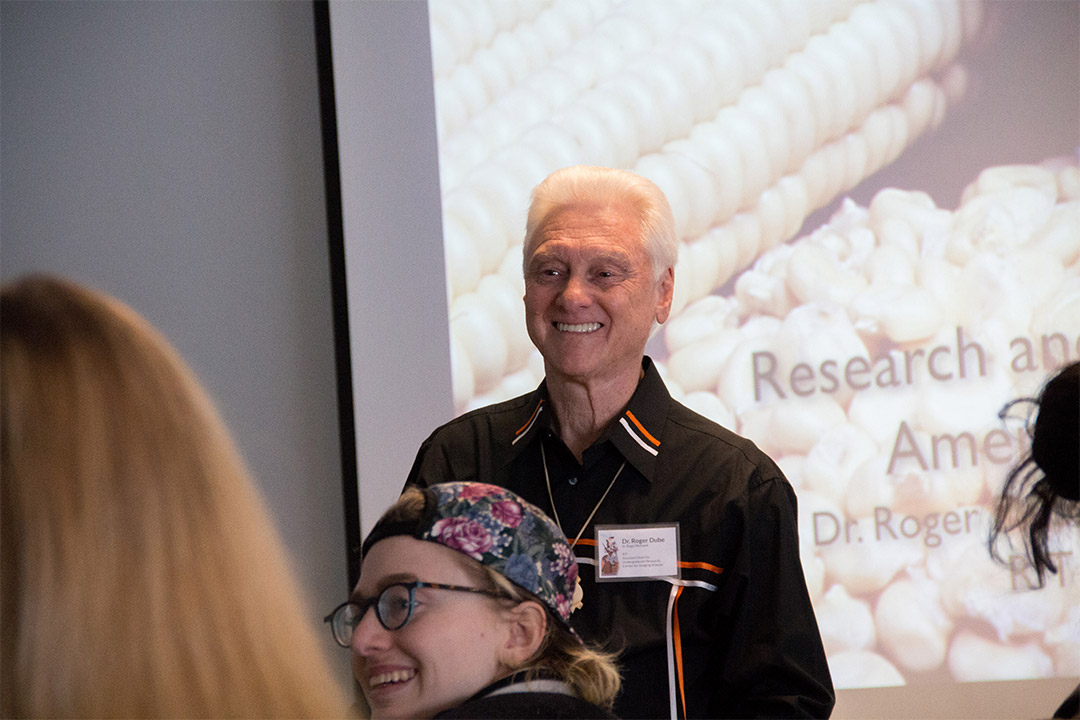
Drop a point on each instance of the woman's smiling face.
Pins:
(450, 648)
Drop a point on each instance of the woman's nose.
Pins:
(369, 635)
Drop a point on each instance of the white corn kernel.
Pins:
(973, 658)
(863, 669)
(846, 623)
(913, 628)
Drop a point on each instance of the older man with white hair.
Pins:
(704, 593)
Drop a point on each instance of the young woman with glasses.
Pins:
(462, 611)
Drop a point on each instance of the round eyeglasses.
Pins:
(393, 607)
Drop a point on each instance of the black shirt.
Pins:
(516, 699)
(743, 638)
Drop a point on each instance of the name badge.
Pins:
(637, 552)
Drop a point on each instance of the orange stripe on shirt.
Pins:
(639, 426)
(701, 566)
(531, 418)
(678, 648)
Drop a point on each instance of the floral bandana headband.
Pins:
(498, 529)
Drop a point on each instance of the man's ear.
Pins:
(667, 293)
(527, 626)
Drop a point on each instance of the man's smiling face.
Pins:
(591, 295)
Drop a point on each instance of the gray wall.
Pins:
(170, 154)
(392, 222)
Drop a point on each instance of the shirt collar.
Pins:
(539, 685)
(545, 681)
(635, 432)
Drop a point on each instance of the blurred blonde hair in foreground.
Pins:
(142, 575)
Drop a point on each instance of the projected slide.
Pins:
(878, 206)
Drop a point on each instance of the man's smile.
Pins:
(581, 328)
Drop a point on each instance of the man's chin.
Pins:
(571, 368)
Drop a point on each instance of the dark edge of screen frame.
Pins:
(336, 237)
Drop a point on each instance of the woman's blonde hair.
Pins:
(592, 674)
(142, 575)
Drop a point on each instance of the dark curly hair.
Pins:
(1046, 482)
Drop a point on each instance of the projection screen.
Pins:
(878, 206)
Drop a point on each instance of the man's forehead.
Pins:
(586, 248)
(586, 214)
(591, 227)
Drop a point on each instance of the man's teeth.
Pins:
(392, 677)
(582, 328)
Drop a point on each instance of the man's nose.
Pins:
(575, 292)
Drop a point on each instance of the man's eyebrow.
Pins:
(542, 255)
(356, 595)
(607, 254)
